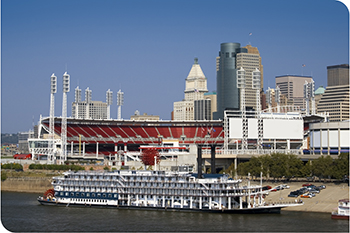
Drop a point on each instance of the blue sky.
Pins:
(147, 48)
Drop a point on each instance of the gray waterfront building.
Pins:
(227, 91)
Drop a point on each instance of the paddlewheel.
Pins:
(49, 194)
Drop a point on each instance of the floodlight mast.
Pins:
(109, 100)
(241, 85)
(66, 84)
(88, 94)
(120, 102)
(77, 101)
(52, 118)
(256, 83)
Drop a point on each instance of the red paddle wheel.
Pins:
(49, 194)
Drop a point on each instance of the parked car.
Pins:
(307, 195)
(306, 185)
(302, 190)
(314, 191)
(285, 186)
(267, 187)
(322, 186)
(293, 195)
(311, 187)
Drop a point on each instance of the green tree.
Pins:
(341, 166)
(278, 166)
(243, 168)
(293, 166)
(323, 166)
(307, 169)
(266, 163)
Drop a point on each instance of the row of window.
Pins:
(87, 195)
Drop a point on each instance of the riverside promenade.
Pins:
(325, 201)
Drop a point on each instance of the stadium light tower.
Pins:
(88, 94)
(109, 100)
(256, 86)
(120, 102)
(77, 101)
(241, 85)
(256, 82)
(66, 84)
(52, 117)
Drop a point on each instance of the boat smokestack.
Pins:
(199, 160)
(212, 159)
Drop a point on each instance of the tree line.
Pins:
(278, 165)
(57, 167)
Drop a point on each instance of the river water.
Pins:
(21, 212)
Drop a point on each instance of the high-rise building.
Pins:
(202, 109)
(213, 99)
(97, 110)
(254, 50)
(249, 62)
(226, 86)
(293, 87)
(196, 87)
(338, 75)
(335, 101)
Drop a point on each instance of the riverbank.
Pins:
(326, 201)
(26, 184)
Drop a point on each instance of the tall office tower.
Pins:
(202, 109)
(338, 75)
(196, 87)
(293, 87)
(196, 83)
(254, 50)
(226, 88)
(335, 101)
(249, 62)
(212, 97)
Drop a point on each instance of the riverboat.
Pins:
(159, 190)
(343, 210)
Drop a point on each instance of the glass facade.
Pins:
(227, 91)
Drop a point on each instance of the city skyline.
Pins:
(146, 48)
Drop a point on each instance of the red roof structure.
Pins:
(22, 156)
